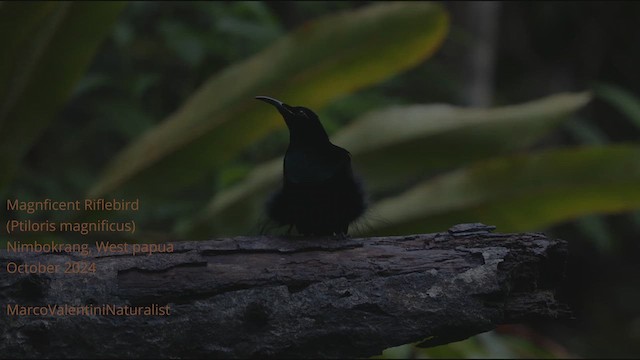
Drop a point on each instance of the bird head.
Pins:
(304, 125)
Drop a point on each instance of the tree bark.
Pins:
(286, 297)
(478, 22)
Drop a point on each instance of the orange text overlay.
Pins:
(31, 207)
(87, 310)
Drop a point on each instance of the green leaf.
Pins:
(319, 62)
(518, 193)
(585, 132)
(46, 47)
(235, 210)
(595, 229)
(399, 144)
(393, 146)
(622, 100)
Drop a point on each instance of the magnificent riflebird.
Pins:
(320, 194)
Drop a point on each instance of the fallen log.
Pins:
(279, 296)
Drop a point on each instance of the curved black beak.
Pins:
(277, 103)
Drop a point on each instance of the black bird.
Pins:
(319, 194)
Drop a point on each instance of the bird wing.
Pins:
(317, 166)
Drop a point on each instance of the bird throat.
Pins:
(310, 135)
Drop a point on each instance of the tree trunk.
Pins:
(281, 297)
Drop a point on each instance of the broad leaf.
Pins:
(518, 193)
(319, 62)
(399, 144)
(46, 47)
(622, 100)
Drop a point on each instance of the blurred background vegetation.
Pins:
(523, 115)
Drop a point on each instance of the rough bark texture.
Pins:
(289, 297)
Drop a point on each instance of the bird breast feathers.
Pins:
(300, 167)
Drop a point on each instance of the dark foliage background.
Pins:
(496, 53)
